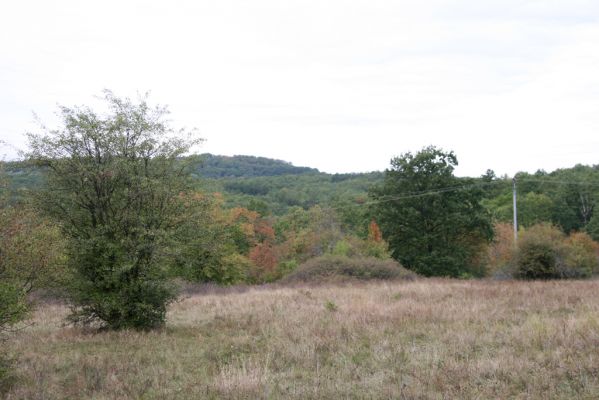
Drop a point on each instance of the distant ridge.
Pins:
(215, 166)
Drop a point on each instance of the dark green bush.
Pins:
(339, 268)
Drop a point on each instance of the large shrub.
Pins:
(545, 252)
(114, 185)
(340, 268)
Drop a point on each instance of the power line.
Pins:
(412, 195)
(581, 183)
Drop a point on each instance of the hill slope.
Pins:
(214, 166)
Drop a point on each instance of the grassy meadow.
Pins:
(383, 340)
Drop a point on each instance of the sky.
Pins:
(339, 85)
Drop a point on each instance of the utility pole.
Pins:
(515, 212)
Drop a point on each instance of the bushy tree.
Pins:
(433, 221)
(114, 183)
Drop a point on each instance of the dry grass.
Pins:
(421, 339)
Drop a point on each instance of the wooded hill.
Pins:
(566, 197)
(258, 183)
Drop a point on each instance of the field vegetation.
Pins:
(405, 339)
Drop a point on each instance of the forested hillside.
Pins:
(565, 197)
(214, 166)
(261, 184)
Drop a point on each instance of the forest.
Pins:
(113, 216)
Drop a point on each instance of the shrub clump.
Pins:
(544, 252)
(339, 268)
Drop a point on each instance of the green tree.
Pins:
(534, 208)
(433, 221)
(114, 183)
(592, 227)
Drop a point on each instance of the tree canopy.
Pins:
(433, 221)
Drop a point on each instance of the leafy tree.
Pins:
(534, 208)
(592, 227)
(114, 183)
(433, 221)
(575, 195)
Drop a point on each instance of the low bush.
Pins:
(340, 268)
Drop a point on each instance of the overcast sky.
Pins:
(340, 85)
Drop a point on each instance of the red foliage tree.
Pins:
(265, 260)
(374, 232)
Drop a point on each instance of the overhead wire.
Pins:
(424, 193)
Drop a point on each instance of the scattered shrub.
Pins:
(331, 306)
(339, 268)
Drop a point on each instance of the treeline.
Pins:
(265, 190)
(566, 198)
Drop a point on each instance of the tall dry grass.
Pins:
(421, 339)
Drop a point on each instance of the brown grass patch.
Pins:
(420, 339)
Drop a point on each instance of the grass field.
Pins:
(420, 339)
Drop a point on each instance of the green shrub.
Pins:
(339, 268)
(544, 252)
(331, 306)
(286, 267)
(342, 248)
(229, 269)
(537, 260)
